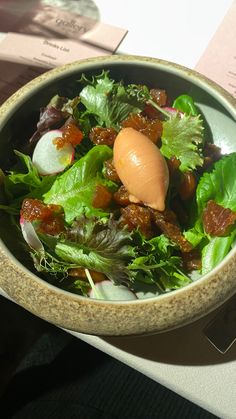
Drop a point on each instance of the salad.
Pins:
(120, 193)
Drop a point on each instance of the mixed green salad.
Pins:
(84, 229)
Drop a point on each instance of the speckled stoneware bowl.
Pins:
(71, 311)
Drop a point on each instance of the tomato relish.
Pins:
(71, 134)
(152, 128)
(50, 217)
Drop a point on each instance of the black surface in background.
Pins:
(60, 377)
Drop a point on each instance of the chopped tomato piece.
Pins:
(217, 220)
(71, 134)
(50, 217)
(102, 197)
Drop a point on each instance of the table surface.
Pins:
(182, 360)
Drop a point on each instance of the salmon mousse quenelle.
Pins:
(120, 194)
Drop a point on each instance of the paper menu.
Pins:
(218, 61)
(45, 37)
(53, 22)
(24, 57)
(46, 53)
(49, 36)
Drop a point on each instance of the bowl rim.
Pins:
(7, 108)
(228, 101)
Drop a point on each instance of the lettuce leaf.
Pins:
(74, 189)
(185, 103)
(219, 185)
(182, 137)
(107, 101)
(23, 181)
(215, 251)
(23, 178)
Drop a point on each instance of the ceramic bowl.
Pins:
(158, 314)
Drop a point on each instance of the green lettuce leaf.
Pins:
(185, 103)
(107, 101)
(74, 189)
(182, 137)
(23, 178)
(195, 234)
(215, 251)
(218, 185)
(23, 182)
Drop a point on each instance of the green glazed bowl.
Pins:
(19, 114)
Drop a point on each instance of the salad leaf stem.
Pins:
(159, 108)
(90, 280)
(142, 94)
